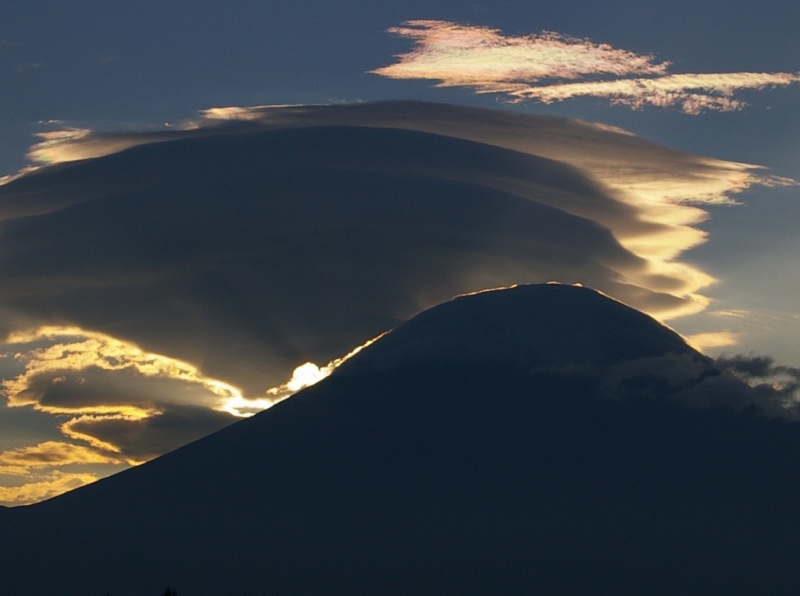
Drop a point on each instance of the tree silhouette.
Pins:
(169, 592)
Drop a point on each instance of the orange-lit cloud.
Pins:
(43, 487)
(73, 351)
(51, 454)
(50, 468)
(120, 417)
(126, 404)
(123, 406)
(552, 67)
(99, 381)
(712, 339)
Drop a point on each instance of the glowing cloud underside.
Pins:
(50, 468)
(73, 350)
(552, 67)
(94, 380)
(99, 381)
(712, 339)
(44, 487)
(49, 454)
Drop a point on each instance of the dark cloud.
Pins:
(775, 384)
(695, 381)
(92, 387)
(21, 426)
(139, 440)
(646, 194)
(757, 367)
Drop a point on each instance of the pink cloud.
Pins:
(551, 67)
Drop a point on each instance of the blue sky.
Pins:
(110, 67)
(134, 64)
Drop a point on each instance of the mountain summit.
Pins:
(541, 439)
(534, 325)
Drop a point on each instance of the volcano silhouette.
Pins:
(534, 440)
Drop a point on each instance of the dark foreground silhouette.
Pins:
(540, 440)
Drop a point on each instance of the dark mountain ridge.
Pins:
(479, 448)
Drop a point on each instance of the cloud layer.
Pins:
(551, 67)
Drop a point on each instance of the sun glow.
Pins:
(308, 374)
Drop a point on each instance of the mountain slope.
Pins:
(515, 441)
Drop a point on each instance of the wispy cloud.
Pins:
(41, 487)
(712, 339)
(50, 468)
(51, 371)
(775, 382)
(551, 67)
(51, 454)
(692, 93)
(74, 144)
(29, 66)
(736, 313)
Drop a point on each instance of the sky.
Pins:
(696, 210)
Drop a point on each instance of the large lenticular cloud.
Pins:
(155, 286)
(552, 67)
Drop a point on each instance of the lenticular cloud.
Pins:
(550, 67)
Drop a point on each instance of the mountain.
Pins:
(539, 439)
